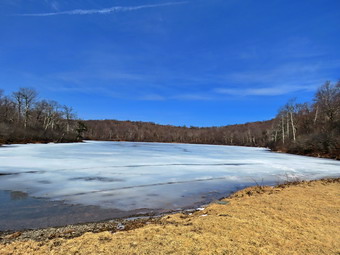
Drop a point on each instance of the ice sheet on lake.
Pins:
(129, 176)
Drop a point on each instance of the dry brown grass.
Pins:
(293, 219)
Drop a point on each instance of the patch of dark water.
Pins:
(19, 211)
(16, 173)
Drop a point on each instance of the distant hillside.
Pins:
(249, 134)
(307, 129)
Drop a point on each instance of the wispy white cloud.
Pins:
(152, 97)
(192, 97)
(267, 91)
(286, 79)
(176, 97)
(114, 9)
(290, 71)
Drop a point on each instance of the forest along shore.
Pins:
(25, 119)
(311, 128)
(294, 218)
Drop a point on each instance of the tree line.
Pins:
(249, 134)
(311, 128)
(24, 119)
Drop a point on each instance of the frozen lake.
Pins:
(140, 177)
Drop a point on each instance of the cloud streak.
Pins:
(267, 91)
(114, 9)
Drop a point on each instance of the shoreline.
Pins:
(139, 221)
(313, 155)
(291, 218)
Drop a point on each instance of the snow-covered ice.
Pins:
(127, 176)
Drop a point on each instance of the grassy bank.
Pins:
(289, 219)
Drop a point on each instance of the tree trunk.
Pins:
(293, 127)
(283, 130)
(316, 114)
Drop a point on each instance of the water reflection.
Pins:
(18, 195)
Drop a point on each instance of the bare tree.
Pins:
(19, 104)
(69, 116)
(25, 99)
(290, 108)
(327, 101)
(29, 96)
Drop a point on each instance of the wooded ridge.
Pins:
(311, 128)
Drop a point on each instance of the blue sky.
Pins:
(194, 62)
